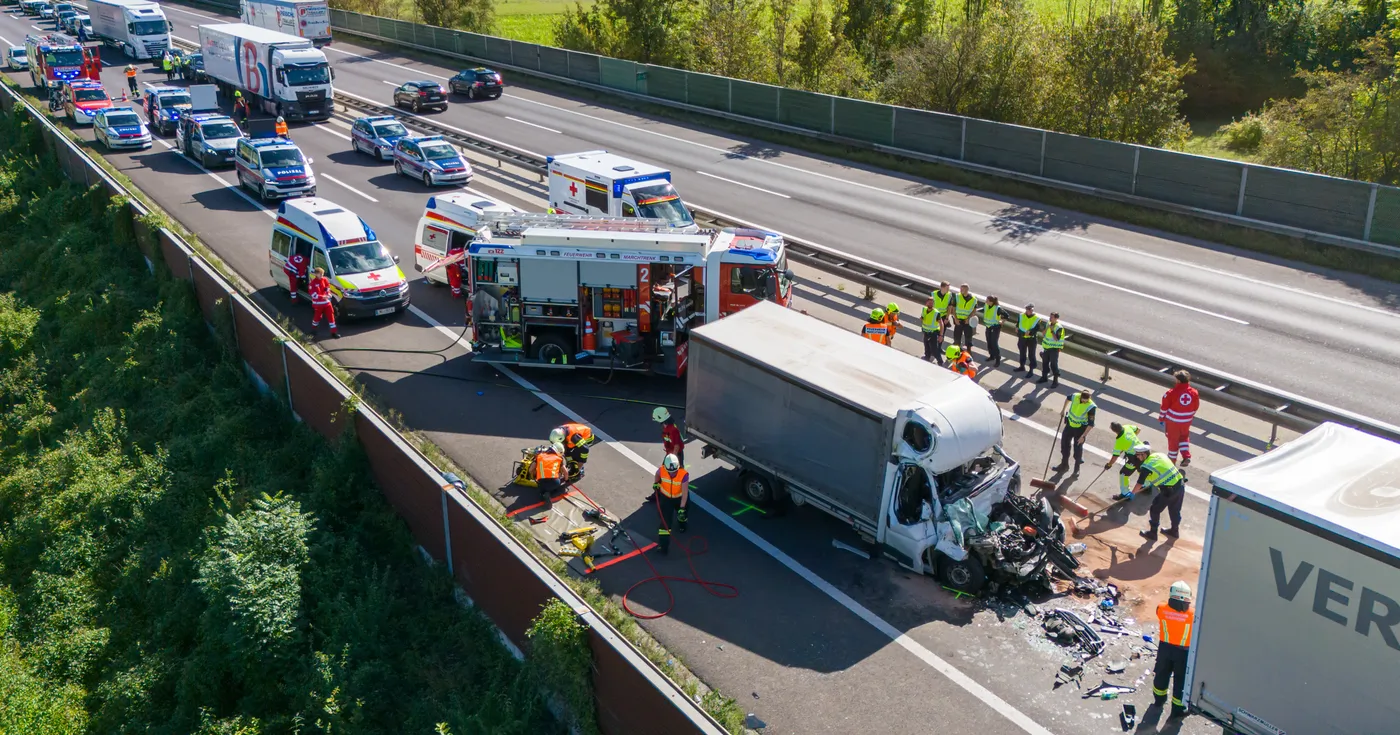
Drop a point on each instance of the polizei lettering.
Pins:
(1332, 599)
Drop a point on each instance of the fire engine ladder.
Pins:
(514, 223)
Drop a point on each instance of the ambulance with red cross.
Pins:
(602, 183)
(365, 278)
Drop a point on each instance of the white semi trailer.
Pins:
(278, 73)
(1298, 613)
(309, 19)
(137, 27)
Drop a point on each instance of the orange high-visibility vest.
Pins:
(548, 466)
(964, 366)
(672, 485)
(876, 332)
(1175, 625)
(576, 434)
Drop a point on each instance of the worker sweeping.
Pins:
(1175, 621)
(575, 438)
(876, 330)
(549, 471)
(1079, 420)
(1125, 438)
(960, 361)
(672, 488)
(1178, 411)
(1156, 471)
(892, 321)
(672, 438)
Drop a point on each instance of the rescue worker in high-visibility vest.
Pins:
(935, 321)
(321, 306)
(672, 488)
(280, 127)
(960, 361)
(1175, 624)
(964, 306)
(991, 319)
(295, 268)
(575, 438)
(876, 329)
(1156, 471)
(1052, 343)
(131, 80)
(1027, 329)
(549, 471)
(167, 65)
(1125, 438)
(1080, 412)
(240, 106)
(892, 321)
(672, 439)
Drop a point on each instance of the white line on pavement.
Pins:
(740, 183)
(1017, 717)
(328, 177)
(391, 84)
(1207, 312)
(336, 133)
(533, 125)
(441, 124)
(188, 12)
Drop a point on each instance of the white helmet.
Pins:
(1180, 590)
(660, 414)
(1141, 448)
(671, 463)
(556, 436)
(557, 448)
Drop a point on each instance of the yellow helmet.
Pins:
(877, 314)
(953, 352)
(892, 308)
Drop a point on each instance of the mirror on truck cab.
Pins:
(916, 435)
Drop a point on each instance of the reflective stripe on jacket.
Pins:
(875, 332)
(548, 466)
(991, 316)
(965, 308)
(1054, 338)
(320, 290)
(1078, 413)
(1174, 626)
(1160, 471)
(672, 485)
(1180, 403)
(1125, 443)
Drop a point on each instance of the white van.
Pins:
(365, 277)
(450, 221)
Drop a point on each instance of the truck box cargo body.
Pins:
(309, 19)
(864, 432)
(137, 27)
(279, 73)
(1298, 615)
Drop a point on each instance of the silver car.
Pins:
(120, 127)
(17, 59)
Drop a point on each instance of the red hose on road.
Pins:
(718, 589)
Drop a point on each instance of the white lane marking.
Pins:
(991, 217)
(328, 177)
(188, 12)
(236, 189)
(37, 28)
(740, 183)
(336, 133)
(7, 60)
(414, 69)
(533, 125)
(1149, 296)
(1002, 707)
(391, 84)
(441, 124)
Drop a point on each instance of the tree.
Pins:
(724, 40)
(476, 15)
(649, 31)
(587, 29)
(869, 25)
(780, 16)
(823, 60)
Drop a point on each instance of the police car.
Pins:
(164, 106)
(120, 127)
(208, 137)
(82, 99)
(376, 135)
(432, 160)
(364, 277)
(273, 168)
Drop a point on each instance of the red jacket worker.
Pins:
(321, 305)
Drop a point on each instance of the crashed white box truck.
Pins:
(907, 452)
(137, 27)
(1298, 613)
(309, 19)
(280, 74)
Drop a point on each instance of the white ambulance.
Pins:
(602, 183)
(365, 277)
(450, 222)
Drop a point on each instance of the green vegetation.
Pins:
(176, 554)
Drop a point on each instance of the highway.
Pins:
(818, 640)
(1334, 337)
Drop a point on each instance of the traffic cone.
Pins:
(124, 99)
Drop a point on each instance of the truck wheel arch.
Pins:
(965, 575)
(552, 343)
(761, 488)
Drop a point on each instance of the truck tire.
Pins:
(757, 489)
(967, 575)
(552, 349)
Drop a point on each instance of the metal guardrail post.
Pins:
(1244, 180)
(1137, 153)
(962, 143)
(1370, 212)
(1043, 136)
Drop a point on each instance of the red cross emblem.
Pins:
(573, 189)
(373, 276)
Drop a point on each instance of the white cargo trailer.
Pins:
(309, 19)
(278, 73)
(137, 27)
(1298, 612)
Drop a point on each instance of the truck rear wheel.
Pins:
(967, 575)
(757, 489)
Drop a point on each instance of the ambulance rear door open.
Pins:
(435, 240)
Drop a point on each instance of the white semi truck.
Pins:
(906, 452)
(137, 27)
(601, 183)
(278, 73)
(1298, 613)
(309, 19)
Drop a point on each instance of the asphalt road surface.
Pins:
(818, 640)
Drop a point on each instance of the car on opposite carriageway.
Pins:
(432, 160)
(376, 135)
(420, 95)
(478, 83)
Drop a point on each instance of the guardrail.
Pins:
(495, 571)
(1278, 407)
